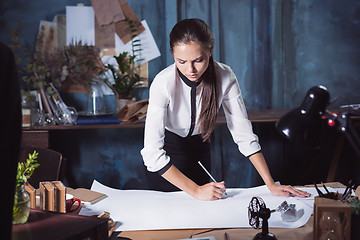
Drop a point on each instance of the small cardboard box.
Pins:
(331, 218)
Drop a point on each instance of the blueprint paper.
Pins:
(153, 210)
(310, 200)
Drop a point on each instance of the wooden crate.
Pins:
(333, 218)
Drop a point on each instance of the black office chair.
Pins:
(51, 165)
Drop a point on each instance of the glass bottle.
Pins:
(21, 207)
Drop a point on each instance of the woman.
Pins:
(183, 104)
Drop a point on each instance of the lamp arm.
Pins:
(351, 135)
(330, 116)
(353, 131)
(344, 125)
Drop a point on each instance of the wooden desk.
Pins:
(60, 226)
(303, 233)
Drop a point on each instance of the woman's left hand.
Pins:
(287, 190)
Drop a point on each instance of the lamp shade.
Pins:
(304, 122)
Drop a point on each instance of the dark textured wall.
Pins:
(278, 49)
(321, 46)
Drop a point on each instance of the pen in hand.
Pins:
(211, 176)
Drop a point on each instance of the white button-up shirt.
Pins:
(170, 108)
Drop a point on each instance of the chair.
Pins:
(50, 168)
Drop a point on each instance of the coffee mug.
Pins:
(70, 201)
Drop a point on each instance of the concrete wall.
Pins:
(278, 49)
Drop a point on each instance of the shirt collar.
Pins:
(187, 81)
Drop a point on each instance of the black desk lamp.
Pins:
(304, 123)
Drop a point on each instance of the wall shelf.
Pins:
(254, 116)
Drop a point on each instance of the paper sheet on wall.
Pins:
(148, 45)
(47, 38)
(80, 25)
(153, 210)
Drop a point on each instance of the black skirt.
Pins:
(184, 154)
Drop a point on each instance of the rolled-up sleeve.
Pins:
(237, 120)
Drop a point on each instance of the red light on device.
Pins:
(331, 122)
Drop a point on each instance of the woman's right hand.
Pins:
(210, 191)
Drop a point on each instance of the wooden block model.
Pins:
(47, 196)
(60, 196)
(31, 191)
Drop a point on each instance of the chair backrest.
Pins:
(50, 164)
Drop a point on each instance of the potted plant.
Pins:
(125, 78)
(75, 67)
(33, 70)
(25, 170)
(126, 73)
(75, 71)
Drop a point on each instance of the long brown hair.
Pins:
(196, 30)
